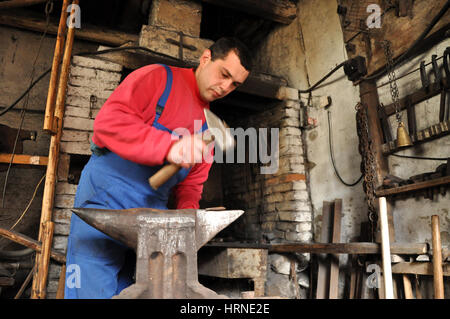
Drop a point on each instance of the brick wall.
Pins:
(277, 206)
(91, 82)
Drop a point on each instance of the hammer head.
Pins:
(219, 130)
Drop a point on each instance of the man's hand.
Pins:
(187, 151)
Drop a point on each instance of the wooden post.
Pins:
(369, 98)
(51, 97)
(42, 260)
(386, 250)
(61, 283)
(322, 273)
(334, 261)
(437, 259)
(407, 287)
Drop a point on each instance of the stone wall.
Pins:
(91, 82)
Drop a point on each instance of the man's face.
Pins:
(216, 79)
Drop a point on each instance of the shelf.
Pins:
(413, 187)
(430, 133)
(22, 159)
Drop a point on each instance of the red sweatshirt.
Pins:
(124, 123)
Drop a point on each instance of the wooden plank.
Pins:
(24, 159)
(30, 243)
(235, 263)
(282, 11)
(361, 248)
(413, 187)
(407, 287)
(418, 268)
(334, 262)
(232, 262)
(26, 21)
(416, 97)
(325, 237)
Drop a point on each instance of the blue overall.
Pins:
(96, 265)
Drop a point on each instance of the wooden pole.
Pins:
(386, 250)
(30, 243)
(322, 272)
(42, 260)
(61, 283)
(41, 279)
(407, 287)
(51, 97)
(437, 259)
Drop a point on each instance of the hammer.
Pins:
(220, 134)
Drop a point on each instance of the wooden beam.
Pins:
(19, 3)
(416, 97)
(24, 159)
(418, 268)
(361, 248)
(257, 84)
(413, 187)
(30, 243)
(282, 11)
(24, 21)
(325, 237)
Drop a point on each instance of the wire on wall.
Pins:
(330, 143)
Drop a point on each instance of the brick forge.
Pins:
(277, 206)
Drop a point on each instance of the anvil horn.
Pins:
(209, 223)
(118, 224)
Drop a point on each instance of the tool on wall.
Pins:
(220, 135)
(444, 110)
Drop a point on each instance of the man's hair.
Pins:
(221, 48)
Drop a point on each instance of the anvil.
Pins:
(166, 244)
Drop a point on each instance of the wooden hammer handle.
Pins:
(163, 175)
(169, 170)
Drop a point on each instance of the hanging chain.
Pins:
(392, 78)
(368, 162)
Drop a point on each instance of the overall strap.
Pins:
(163, 99)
